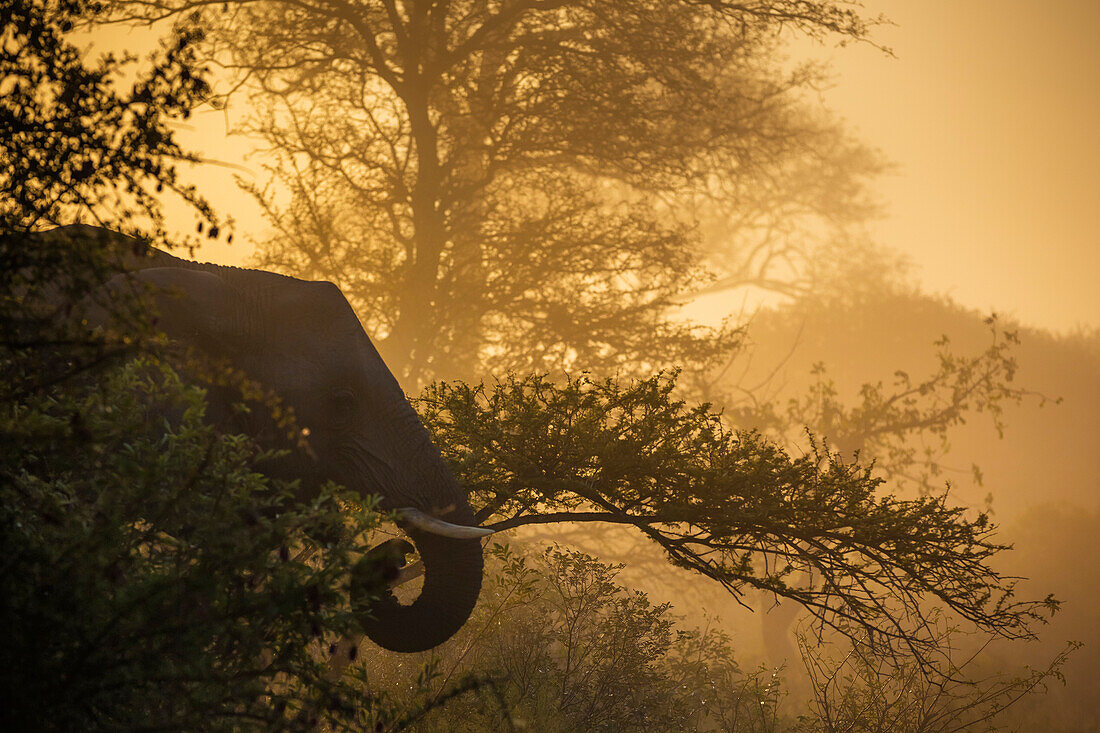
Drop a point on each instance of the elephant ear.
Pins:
(191, 306)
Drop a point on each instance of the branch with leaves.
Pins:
(904, 427)
(727, 504)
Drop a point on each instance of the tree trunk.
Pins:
(410, 344)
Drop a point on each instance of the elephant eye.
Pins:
(341, 405)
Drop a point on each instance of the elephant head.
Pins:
(302, 341)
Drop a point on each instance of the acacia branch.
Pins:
(555, 517)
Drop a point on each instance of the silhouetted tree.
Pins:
(78, 148)
(74, 145)
(729, 505)
(147, 579)
(502, 183)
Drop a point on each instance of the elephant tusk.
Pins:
(427, 523)
(407, 573)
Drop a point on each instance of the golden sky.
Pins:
(991, 112)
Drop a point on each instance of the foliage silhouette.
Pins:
(523, 185)
(150, 578)
(728, 504)
(75, 146)
(904, 427)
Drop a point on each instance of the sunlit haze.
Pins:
(632, 365)
(989, 112)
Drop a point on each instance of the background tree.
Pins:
(904, 427)
(481, 175)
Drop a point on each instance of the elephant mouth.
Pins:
(384, 567)
(390, 555)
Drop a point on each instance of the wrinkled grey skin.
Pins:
(302, 340)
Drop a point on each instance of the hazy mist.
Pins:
(812, 291)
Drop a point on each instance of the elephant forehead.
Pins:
(274, 302)
(308, 373)
(318, 303)
(314, 328)
(306, 339)
(308, 328)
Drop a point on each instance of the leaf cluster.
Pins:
(73, 143)
(150, 578)
(728, 504)
(75, 146)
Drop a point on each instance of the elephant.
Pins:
(301, 340)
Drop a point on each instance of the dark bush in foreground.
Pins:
(149, 577)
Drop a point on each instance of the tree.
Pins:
(728, 504)
(150, 578)
(477, 174)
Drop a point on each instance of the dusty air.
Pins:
(484, 365)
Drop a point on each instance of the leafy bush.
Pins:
(561, 646)
(150, 577)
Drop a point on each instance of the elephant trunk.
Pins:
(452, 582)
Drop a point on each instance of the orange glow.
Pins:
(991, 109)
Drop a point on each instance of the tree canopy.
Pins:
(147, 578)
(729, 505)
(477, 175)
